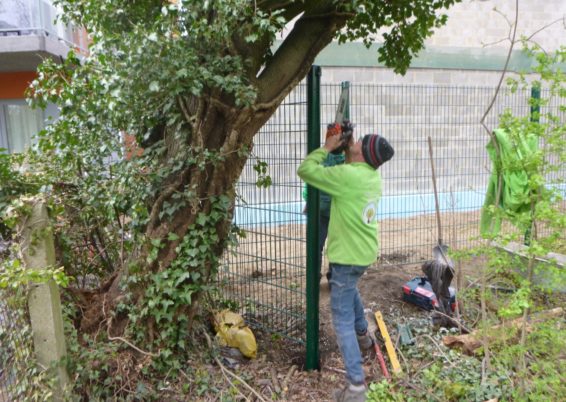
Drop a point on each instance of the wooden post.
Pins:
(44, 302)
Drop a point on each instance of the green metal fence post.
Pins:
(534, 117)
(535, 105)
(313, 256)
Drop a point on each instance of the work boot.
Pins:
(364, 341)
(351, 393)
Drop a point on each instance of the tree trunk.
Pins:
(174, 249)
(213, 123)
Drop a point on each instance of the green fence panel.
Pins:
(266, 275)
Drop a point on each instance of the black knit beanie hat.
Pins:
(376, 150)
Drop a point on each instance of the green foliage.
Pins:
(93, 363)
(14, 275)
(383, 392)
(462, 382)
(170, 293)
(523, 361)
(437, 373)
(545, 220)
(406, 24)
(23, 378)
(15, 183)
(263, 180)
(527, 359)
(542, 221)
(543, 379)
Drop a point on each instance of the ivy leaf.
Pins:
(184, 276)
(172, 237)
(251, 38)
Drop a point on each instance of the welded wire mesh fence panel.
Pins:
(407, 116)
(548, 112)
(15, 346)
(555, 112)
(265, 273)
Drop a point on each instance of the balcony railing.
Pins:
(38, 17)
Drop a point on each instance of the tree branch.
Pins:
(293, 59)
(270, 5)
(226, 371)
(563, 19)
(255, 53)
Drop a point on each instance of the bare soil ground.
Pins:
(278, 372)
(281, 252)
(273, 258)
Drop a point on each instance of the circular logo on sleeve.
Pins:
(370, 213)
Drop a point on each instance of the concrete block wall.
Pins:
(443, 95)
(426, 76)
(473, 23)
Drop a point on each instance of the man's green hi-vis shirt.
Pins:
(355, 189)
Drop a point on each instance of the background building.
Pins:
(470, 49)
(29, 33)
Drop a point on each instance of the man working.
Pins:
(355, 188)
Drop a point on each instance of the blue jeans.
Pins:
(348, 317)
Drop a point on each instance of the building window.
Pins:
(19, 125)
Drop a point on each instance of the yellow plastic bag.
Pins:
(232, 331)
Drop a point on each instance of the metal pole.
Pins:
(534, 118)
(346, 84)
(312, 361)
(535, 106)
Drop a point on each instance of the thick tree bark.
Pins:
(227, 130)
(218, 128)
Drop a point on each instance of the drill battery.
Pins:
(418, 291)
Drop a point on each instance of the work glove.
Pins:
(333, 129)
(345, 130)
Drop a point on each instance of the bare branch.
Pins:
(530, 37)
(236, 377)
(503, 72)
(119, 338)
(495, 43)
(563, 19)
(503, 15)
